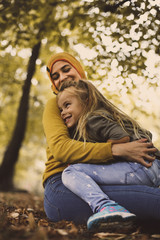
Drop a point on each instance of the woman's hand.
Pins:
(137, 151)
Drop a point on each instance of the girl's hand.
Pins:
(137, 151)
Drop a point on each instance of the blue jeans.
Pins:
(62, 204)
(84, 179)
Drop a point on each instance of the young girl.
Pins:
(91, 117)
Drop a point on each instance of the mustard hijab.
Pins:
(63, 56)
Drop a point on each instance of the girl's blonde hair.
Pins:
(94, 103)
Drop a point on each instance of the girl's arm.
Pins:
(101, 129)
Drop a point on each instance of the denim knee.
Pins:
(51, 210)
(61, 204)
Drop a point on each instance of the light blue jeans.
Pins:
(84, 179)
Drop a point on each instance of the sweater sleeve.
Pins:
(63, 148)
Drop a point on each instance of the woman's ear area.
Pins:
(54, 90)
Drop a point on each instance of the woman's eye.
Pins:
(66, 69)
(55, 76)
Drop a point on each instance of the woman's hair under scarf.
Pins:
(63, 56)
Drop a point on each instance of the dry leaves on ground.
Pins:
(22, 217)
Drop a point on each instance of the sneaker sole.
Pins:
(95, 223)
(128, 217)
(113, 217)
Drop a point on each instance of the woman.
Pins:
(59, 202)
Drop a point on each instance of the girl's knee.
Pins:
(67, 170)
(66, 173)
(71, 168)
(64, 176)
(69, 174)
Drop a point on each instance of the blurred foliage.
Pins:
(117, 41)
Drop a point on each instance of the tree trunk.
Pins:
(11, 154)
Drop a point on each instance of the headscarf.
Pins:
(63, 56)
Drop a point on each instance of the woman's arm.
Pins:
(121, 140)
(67, 150)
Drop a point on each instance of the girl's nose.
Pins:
(62, 113)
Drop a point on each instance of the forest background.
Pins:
(117, 41)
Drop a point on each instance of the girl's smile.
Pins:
(70, 108)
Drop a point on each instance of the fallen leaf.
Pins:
(24, 216)
(62, 232)
(30, 210)
(73, 230)
(32, 224)
(18, 210)
(116, 236)
(14, 214)
(43, 222)
(156, 236)
(18, 228)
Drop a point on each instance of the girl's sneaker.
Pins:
(111, 212)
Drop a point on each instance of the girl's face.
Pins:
(70, 107)
(62, 71)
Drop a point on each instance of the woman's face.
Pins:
(62, 71)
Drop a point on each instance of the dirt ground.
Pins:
(22, 217)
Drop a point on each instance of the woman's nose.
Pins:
(62, 77)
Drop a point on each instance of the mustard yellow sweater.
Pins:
(62, 150)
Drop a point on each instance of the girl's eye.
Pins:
(67, 105)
